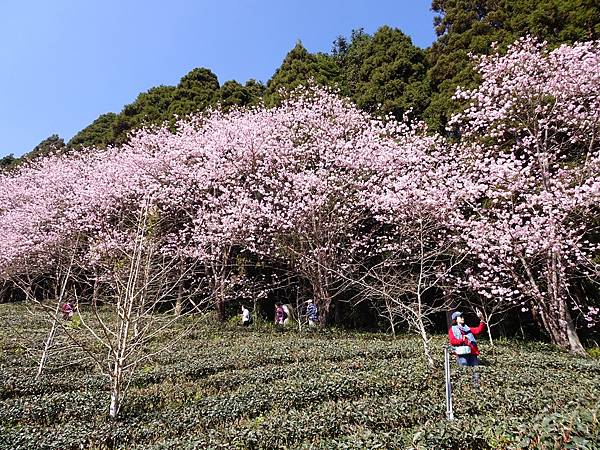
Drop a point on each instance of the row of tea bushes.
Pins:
(251, 389)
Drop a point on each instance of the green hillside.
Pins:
(238, 388)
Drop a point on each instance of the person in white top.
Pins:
(246, 319)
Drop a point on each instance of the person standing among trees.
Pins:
(67, 310)
(311, 313)
(462, 337)
(280, 315)
(246, 318)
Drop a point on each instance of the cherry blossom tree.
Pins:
(531, 134)
(283, 184)
(414, 256)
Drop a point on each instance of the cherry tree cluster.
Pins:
(346, 202)
(531, 132)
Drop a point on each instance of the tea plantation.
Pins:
(236, 388)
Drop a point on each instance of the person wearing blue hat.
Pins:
(462, 337)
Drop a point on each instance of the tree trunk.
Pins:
(425, 339)
(218, 291)
(179, 300)
(323, 302)
(219, 276)
(338, 312)
(318, 279)
(48, 345)
(551, 310)
(489, 332)
(390, 317)
(488, 320)
(116, 394)
(562, 329)
(220, 304)
(575, 345)
(115, 391)
(180, 290)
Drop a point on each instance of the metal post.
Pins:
(449, 411)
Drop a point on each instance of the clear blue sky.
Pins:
(65, 62)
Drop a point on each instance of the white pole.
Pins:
(449, 411)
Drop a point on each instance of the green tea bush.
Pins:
(255, 389)
(594, 352)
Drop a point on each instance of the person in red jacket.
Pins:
(462, 337)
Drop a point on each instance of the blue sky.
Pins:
(65, 62)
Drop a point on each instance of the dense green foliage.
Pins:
(234, 94)
(7, 161)
(384, 73)
(234, 388)
(100, 133)
(50, 145)
(471, 26)
(298, 67)
(196, 91)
